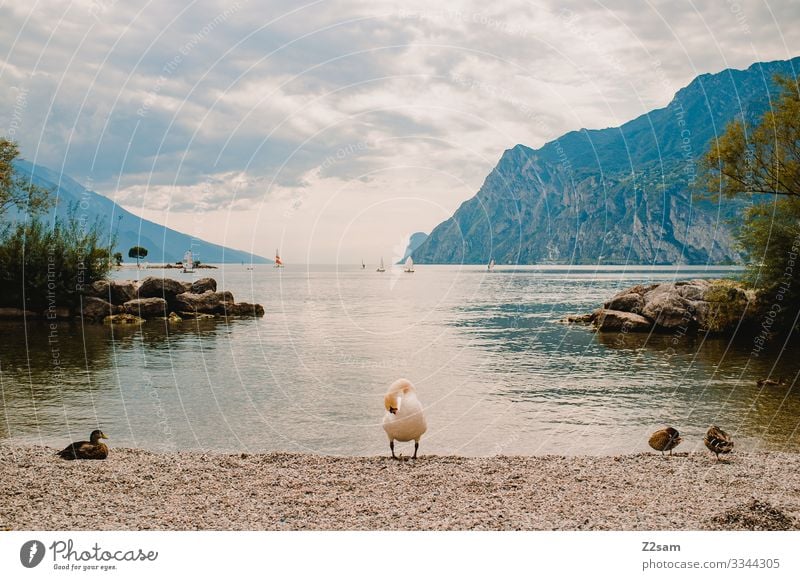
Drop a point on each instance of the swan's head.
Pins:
(394, 395)
(391, 402)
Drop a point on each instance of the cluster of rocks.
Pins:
(709, 306)
(129, 302)
(125, 301)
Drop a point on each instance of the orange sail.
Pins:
(278, 262)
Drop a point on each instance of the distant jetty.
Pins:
(132, 302)
(179, 267)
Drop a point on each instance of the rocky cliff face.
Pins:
(619, 195)
(414, 241)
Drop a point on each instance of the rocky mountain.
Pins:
(619, 195)
(163, 244)
(414, 242)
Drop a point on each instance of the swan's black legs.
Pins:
(391, 446)
(416, 446)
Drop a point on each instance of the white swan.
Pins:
(404, 420)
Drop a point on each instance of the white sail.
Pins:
(188, 261)
(490, 267)
(381, 268)
(409, 265)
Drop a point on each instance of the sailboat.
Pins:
(490, 267)
(363, 265)
(381, 268)
(188, 262)
(278, 263)
(409, 269)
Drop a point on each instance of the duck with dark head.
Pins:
(92, 449)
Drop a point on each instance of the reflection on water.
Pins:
(496, 370)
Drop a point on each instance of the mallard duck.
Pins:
(91, 449)
(403, 420)
(718, 441)
(665, 439)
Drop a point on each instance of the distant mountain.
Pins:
(163, 244)
(414, 242)
(617, 195)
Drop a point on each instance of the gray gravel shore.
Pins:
(140, 490)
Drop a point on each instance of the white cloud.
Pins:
(273, 113)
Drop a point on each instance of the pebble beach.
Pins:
(142, 490)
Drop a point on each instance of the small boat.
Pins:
(381, 268)
(409, 268)
(490, 267)
(278, 262)
(363, 265)
(188, 262)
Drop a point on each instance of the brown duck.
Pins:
(92, 449)
(665, 439)
(718, 441)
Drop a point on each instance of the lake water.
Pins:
(495, 370)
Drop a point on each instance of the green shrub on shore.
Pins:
(729, 302)
(45, 266)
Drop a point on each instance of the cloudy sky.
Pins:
(336, 128)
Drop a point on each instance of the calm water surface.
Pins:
(494, 368)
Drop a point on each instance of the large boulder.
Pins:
(146, 307)
(113, 291)
(165, 288)
(667, 308)
(630, 302)
(123, 319)
(694, 290)
(243, 309)
(93, 308)
(203, 285)
(208, 302)
(616, 321)
(715, 306)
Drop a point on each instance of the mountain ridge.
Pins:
(164, 244)
(615, 195)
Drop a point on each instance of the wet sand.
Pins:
(140, 490)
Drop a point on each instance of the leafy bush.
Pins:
(761, 160)
(44, 265)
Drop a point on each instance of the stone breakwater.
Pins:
(131, 302)
(694, 306)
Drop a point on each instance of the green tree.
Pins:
(47, 265)
(137, 252)
(15, 190)
(761, 160)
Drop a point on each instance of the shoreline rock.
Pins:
(695, 306)
(127, 302)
